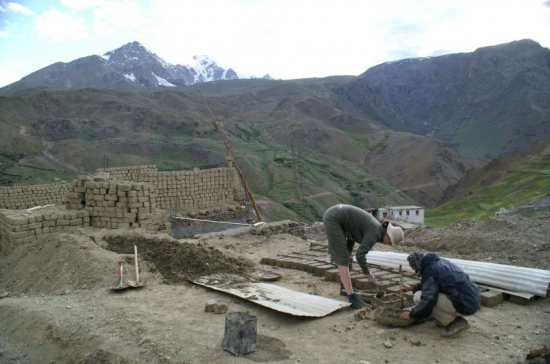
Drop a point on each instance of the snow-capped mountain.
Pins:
(137, 64)
(131, 66)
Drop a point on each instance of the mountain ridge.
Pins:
(450, 96)
(129, 67)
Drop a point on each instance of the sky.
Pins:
(287, 39)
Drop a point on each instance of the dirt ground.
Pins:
(57, 306)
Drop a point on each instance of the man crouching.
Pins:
(445, 292)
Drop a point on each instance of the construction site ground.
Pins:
(57, 306)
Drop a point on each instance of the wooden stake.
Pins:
(401, 286)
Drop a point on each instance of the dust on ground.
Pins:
(61, 309)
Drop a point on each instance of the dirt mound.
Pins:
(177, 260)
(87, 259)
(58, 264)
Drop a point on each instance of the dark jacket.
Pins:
(442, 276)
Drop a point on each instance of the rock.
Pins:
(388, 344)
(215, 306)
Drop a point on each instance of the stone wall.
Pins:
(24, 197)
(28, 226)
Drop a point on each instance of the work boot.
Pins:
(356, 302)
(343, 290)
(459, 324)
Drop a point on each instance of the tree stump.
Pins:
(240, 334)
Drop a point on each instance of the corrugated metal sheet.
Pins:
(508, 277)
(272, 296)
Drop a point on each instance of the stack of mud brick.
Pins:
(24, 197)
(129, 173)
(184, 189)
(28, 226)
(117, 204)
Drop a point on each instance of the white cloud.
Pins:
(120, 16)
(11, 71)
(82, 4)
(18, 8)
(58, 26)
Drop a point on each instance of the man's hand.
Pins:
(405, 315)
(406, 287)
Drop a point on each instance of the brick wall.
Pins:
(24, 197)
(196, 188)
(120, 197)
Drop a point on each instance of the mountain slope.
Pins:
(268, 123)
(488, 103)
(507, 183)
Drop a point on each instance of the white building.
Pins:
(409, 214)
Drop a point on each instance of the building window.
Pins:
(407, 212)
(385, 214)
(417, 213)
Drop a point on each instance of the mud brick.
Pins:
(309, 267)
(324, 268)
(520, 300)
(279, 262)
(383, 274)
(312, 253)
(325, 260)
(384, 284)
(287, 263)
(491, 298)
(298, 265)
(332, 275)
(318, 269)
(364, 283)
(408, 296)
(267, 261)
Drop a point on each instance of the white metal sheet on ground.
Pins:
(509, 277)
(272, 296)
